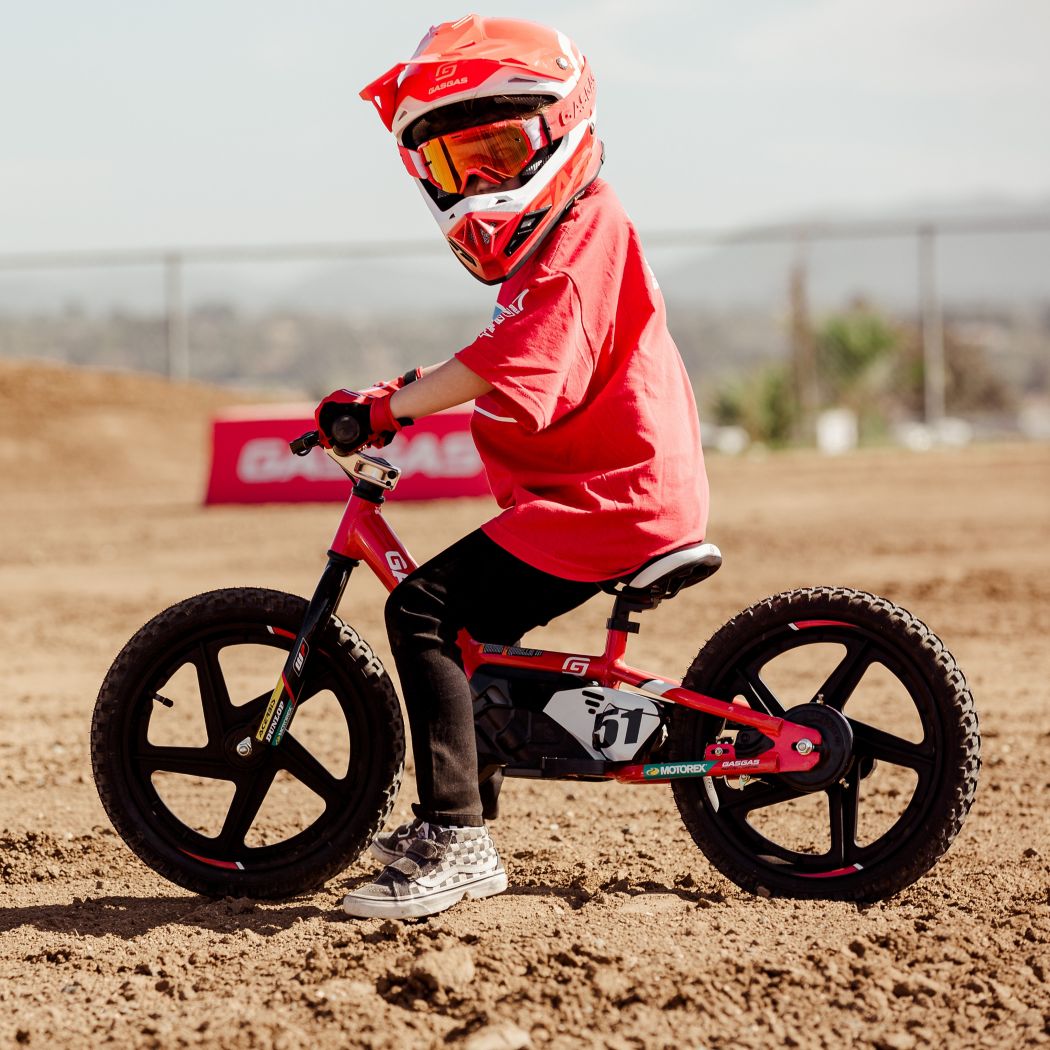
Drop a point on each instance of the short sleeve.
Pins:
(535, 353)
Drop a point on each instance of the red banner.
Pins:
(250, 461)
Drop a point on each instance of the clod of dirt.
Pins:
(896, 1041)
(434, 978)
(610, 983)
(388, 930)
(505, 1036)
(443, 971)
(317, 959)
(584, 887)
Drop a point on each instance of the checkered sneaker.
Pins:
(433, 874)
(394, 844)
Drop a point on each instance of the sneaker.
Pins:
(393, 845)
(433, 874)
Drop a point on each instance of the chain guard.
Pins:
(836, 748)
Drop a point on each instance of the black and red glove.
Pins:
(376, 424)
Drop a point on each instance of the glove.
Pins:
(390, 385)
(371, 411)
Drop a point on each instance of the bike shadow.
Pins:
(579, 892)
(129, 917)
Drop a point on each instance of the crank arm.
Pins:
(279, 711)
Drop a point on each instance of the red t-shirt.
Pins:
(590, 437)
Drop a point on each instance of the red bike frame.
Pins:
(364, 536)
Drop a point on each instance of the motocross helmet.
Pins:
(505, 107)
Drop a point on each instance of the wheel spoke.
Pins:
(247, 800)
(215, 697)
(843, 807)
(306, 768)
(253, 709)
(757, 795)
(190, 761)
(847, 675)
(756, 689)
(876, 743)
(310, 688)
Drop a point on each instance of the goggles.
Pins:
(493, 152)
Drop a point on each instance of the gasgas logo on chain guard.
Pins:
(266, 460)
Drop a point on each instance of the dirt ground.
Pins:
(615, 932)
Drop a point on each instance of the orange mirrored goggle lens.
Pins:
(495, 152)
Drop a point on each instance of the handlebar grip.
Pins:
(346, 432)
(302, 444)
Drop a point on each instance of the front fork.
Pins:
(281, 708)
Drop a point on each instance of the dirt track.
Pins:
(616, 932)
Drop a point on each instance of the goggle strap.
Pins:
(564, 115)
(538, 132)
(414, 162)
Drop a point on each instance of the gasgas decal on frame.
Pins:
(397, 565)
(577, 665)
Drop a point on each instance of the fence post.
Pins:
(175, 319)
(803, 344)
(932, 328)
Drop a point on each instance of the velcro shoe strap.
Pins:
(425, 849)
(405, 867)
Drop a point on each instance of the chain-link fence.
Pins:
(892, 325)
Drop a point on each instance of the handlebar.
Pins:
(346, 433)
(302, 444)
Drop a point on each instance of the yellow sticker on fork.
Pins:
(271, 707)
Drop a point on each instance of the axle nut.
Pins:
(804, 746)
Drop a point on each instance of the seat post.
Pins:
(628, 602)
(615, 646)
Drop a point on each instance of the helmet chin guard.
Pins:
(493, 232)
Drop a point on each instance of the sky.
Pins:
(218, 122)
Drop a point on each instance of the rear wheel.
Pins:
(903, 749)
(192, 684)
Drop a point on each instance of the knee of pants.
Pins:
(413, 611)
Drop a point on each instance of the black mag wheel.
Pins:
(903, 756)
(186, 689)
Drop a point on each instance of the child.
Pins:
(584, 417)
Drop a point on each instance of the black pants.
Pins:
(476, 585)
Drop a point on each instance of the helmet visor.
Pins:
(493, 152)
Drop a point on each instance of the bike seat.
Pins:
(665, 575)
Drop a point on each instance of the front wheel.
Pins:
(907, 773)
(190, 686)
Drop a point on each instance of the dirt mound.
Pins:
(84, 429)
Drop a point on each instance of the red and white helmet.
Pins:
(557, 153)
